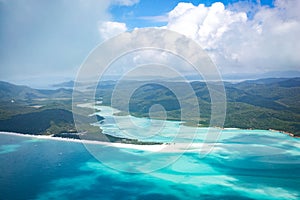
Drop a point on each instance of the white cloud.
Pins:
(204, 24)
(125, 2)
(110, 29)
(238, 43)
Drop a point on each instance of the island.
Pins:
(257, 104)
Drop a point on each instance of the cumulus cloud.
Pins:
(268, 40)
(125, 2)
(109, 29)
(204, 24)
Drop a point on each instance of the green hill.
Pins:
(258, 104)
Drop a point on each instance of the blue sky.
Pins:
(136, 15)
(47, 41)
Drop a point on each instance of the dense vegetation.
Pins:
(47, 112)
(48, 121)
(257, 104)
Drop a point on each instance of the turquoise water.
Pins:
(244, 164)
(260, 165)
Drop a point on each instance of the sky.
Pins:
(47, 41)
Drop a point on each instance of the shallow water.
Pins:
(244, 164)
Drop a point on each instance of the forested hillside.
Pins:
(255, 104)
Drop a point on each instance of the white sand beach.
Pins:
(151, 148)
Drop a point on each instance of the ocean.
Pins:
(243, 164)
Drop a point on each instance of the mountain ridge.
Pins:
(272, 103)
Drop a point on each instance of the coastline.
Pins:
(115, 111)
(165, 147)
(152, 148)
(285, 133)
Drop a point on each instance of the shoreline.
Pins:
(114, 110)
(285, 133)
(152, 148)
(168, 147)
(165, 147)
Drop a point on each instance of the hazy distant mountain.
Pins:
(272, 74)
(68, 84)
(10, 91)
(280, 74)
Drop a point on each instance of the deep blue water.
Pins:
(261, 165)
